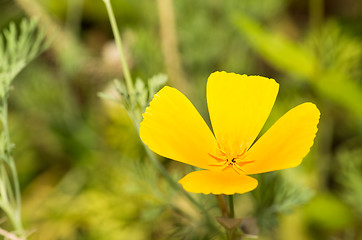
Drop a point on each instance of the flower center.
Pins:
(236, 162)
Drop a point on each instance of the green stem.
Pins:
(14, 173)
(223, 205)
(231, 206)
(118, 40)
(15, 213)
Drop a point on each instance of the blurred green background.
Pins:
(84, 173)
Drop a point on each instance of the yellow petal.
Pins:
(218, 182)
(239, 106)
(286, 143)
(173, 128)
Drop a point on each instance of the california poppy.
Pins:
(238, 106)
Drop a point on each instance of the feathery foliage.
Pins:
(17, 48)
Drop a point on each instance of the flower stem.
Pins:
(231, 206)
(13, 209)
(118, 40)
(231, 232)
(223, 205)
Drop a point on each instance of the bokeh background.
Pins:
(84, 172)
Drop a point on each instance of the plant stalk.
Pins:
(13, 208)
(118, 40)
(223, 205)
(231, 206)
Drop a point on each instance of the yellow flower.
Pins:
(238, 106)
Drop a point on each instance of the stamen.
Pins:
(222, 151)
(236, 171)
(216, 158)
(241, 163)
(226, 167)
(225, 161)
(238, 167)
(218, 165)
(241, 154)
